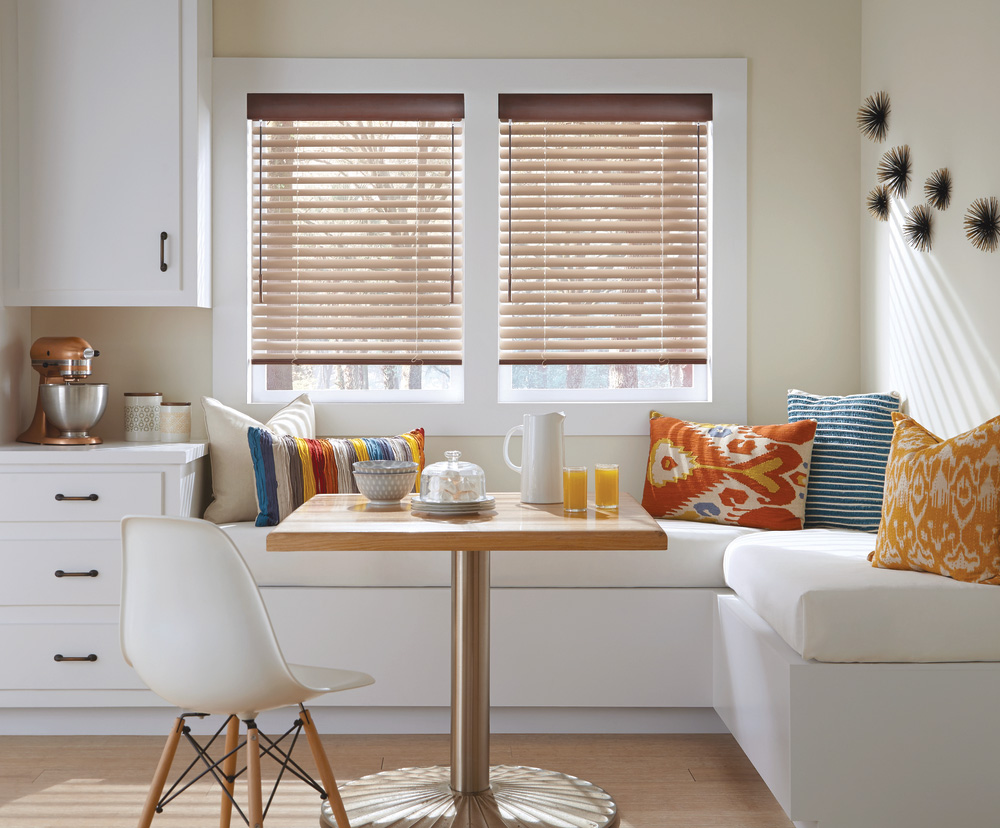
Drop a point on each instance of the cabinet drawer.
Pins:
(28, 572)
(27, 655)
(80, 496)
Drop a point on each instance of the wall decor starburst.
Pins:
(937, 189)
(878, 202)
(873, 116)
(982, 223)
(917, 228)
(894, 170)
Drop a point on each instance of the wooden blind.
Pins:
(356, 215)
(604, 229)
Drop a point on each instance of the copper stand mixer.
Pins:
(67, 408)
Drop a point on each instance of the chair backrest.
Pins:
(193, 623)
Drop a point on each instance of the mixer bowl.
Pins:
(74, 407)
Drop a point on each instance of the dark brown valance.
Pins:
(355, 107)
(576, 108)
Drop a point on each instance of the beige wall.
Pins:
(931, 318)
(803, 166)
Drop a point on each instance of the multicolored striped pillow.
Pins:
(290, 470)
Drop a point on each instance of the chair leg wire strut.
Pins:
(223, 770)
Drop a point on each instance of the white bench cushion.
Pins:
(818, 591)
(693, 559)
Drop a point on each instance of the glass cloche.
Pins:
(452, 481)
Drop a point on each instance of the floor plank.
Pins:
(658, 781)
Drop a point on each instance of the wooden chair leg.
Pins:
(228, 769)
(325, 771)
(160, 777)
(253, 776)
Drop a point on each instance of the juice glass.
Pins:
(575, 489)
(606, 485)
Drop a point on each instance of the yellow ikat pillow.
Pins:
(940, 510)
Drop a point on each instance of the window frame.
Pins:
(480, 81)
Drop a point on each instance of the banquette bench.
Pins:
(862, 696)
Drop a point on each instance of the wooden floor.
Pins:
(658, 781)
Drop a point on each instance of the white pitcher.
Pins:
(541, 457)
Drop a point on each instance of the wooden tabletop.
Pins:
(349, 521)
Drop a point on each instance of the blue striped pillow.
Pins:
(847, 472)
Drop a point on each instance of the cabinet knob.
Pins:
(61, 657)
(60, 573)
(62, 497)
(163, 255)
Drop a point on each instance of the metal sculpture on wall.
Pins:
(894, 170)
(873, 116)
(982, 223)
(917, 228)
(937, 189)
(878, 202)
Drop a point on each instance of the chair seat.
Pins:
(328, 679)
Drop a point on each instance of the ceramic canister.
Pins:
(175, 422)
(142, 416)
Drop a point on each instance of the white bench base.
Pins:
(859, 745)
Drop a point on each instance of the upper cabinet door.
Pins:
(108, 112)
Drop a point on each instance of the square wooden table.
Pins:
(470, 793)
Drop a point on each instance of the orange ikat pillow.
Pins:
(742, 475)
(940, 509)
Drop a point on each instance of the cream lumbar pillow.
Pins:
(233, 488)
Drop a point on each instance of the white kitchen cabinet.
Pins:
(113, 118)
(60, 551)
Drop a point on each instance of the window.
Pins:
(481, 407)
(604, 242)
(356, 254)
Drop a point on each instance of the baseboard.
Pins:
(135, 721)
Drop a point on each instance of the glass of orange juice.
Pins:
(575, 489)
(606, 485)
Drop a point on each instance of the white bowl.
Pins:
(388, 483)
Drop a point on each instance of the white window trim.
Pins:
(480, 81)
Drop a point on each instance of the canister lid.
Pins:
(143, 393)
(170, 403)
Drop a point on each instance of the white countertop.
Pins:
(112, 452)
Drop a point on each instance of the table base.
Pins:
(519, 797)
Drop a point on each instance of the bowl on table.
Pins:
(385, 481)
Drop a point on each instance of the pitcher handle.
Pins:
(506, 443)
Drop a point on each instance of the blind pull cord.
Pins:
(545, 243)
(452, 213)
(663, 310)
(260, 212)
(697, 271)
(510, 212)
(416, 248)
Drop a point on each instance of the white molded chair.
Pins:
(195, 629)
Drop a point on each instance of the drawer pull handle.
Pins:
(93, 573)
(163, 257)
(61, 657)
(61, 497)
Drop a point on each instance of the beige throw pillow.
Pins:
(233, 488)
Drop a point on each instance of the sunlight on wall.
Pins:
(938, 359)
